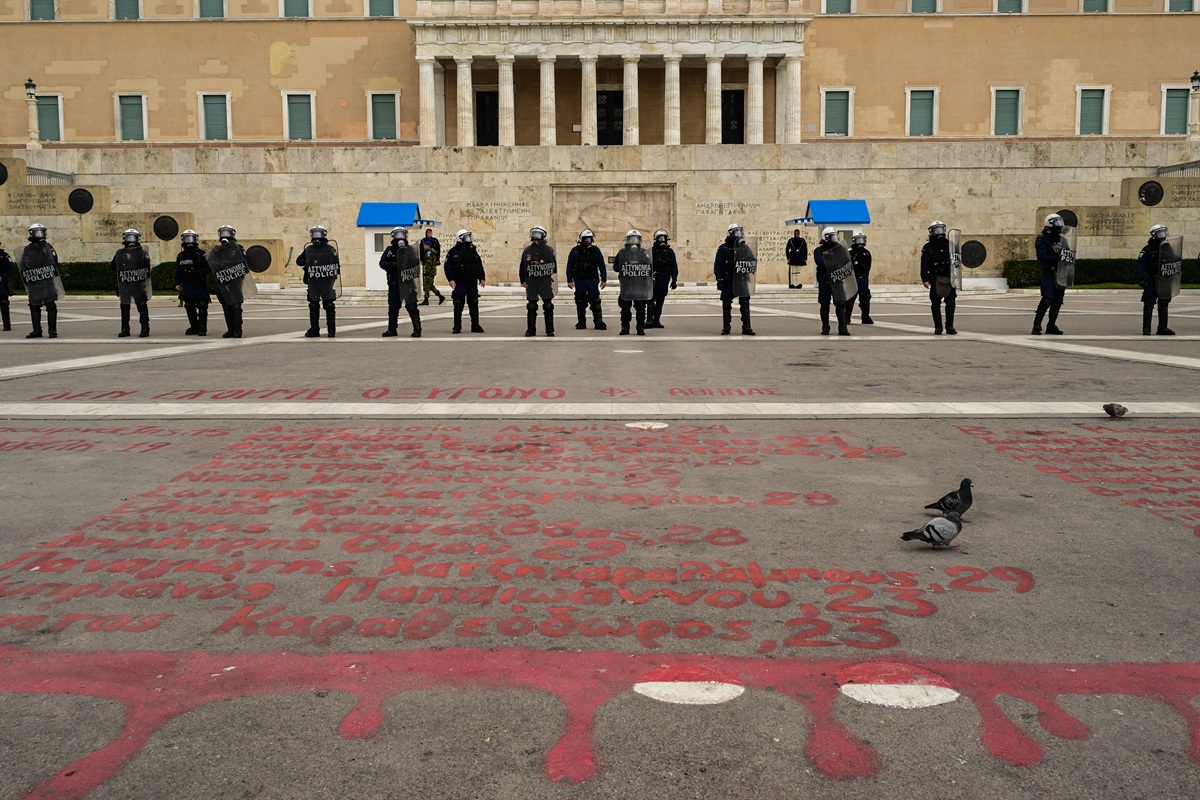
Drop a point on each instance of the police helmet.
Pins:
(318, 232)
(226, 232)
(858, 238)
(735, 231)
(537, 233)
(588, 235)
(633, 237)
(1158, 231)
(400, 234)
(37, 231)
(828, 234)
(131, 236)
(661, 235)
(189, 237)
(463, 236)
(937, 228)
(1054, 221)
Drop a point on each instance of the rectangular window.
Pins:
(920, 112)
(924, 6)
(1009, 6)
(1180, 5)
(1175, 111)
(1095, 6)
(383, 116)
(216, 117)
(212, 9)
(41, 9)
(49, 129)
(1007, 113)
(299, 116)
(125, 9)
(837, 6)
(837, 113)
(381, 8)
(1091, 112)
(130, 111)
(295, 8)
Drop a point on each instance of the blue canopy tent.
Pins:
(377, 220)
(834, 212)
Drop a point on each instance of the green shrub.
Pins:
(1023, 273)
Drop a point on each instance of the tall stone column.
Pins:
(791, 122)
(428, 92)
(587, 100)
(508, 131)
(671, 113)
(754, 101)
(466, 102)
(712, 101)
(549, 134)
(632, 132)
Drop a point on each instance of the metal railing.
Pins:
(36, 176)
(1189, 169)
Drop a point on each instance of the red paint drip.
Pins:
(156, 688)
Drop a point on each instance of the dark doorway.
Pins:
(733, 116)
(610, 117)
(487, 118)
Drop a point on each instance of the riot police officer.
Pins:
(7, 270)
(666, 276)
(725, 267)
(824, 248)
(229, 257)
(43, 284)
(464, 271)
(1149, 267)
(860, 257)
(401, 264)
(935, 276)
(587, 274)
(321, 271)
(796, 253)
(191, 281)
(635, 270)
(431, 256)
(1048, 246)
(538, 275)
(132, 265)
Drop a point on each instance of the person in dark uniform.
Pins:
(401, 264)
(825, 284)
(725, 269)
(431, 256)
(797, 255)
(232, 311)
(1149, 263)
(464, 271)
(587, 274)
(7, 270)
(935, 270)
(43, 284)
(191, 281)
(1048, 245)
(321, 270)
(666, 276)
(860, 258)
(635, 271)
(132, 267)
(537, 274)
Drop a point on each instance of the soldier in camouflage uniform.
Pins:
(431, 257)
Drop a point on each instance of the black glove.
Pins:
(720, 284)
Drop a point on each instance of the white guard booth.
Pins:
(376, 221)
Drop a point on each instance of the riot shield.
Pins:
(228, 263)
(954, 237)
(408, 275)
(745, 269)
(324, 272)
(133, 276)
(1170, 267)
(1064, 273)
(636, 269)
(841, 273)
(43, 284)
(541, 273)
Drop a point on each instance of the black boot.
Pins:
(124, 322)
(459, 302)
(193, 327)
(393, 320)
(35, 317)
(52, 320)
(581, 312)
(473, 308)
(236, 313)
(414, 314)
(1039, 315)
(824, 320)
(1163, 330)
(531, 321)
(950, 319)
(5, 315)
(314, 321)
(598, 316)
(639, 310)
(143, 320)
(227, 311)
(865, 307)
(548, 309)
(1147, 317)
(331, 319)
(937, 318)
(726, 318)
(843, 318)
(744, 307)
(425, 302)
(1052, 328)
(441, 297)
(202, 319)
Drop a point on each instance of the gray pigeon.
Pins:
(959, 500)
(938, 531)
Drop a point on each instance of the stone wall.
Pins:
(992, 190)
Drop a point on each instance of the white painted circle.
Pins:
(646, 426)
(899, 695)
(692, 693)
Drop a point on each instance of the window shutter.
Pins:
(1091, 111)
(1009, 6)
(299, 116)
(47, 118)
(216, 126)
(381, 8)
(295, 8)
(1175, 119)
(131, 118)
(837, 113)
(1008, 112)
(837, 6)
(924, 6)
(212, 9)
(41, 9)
(126, 9)
(920, 113)
(1180, 5)
(1095, 6)
(383, 116)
